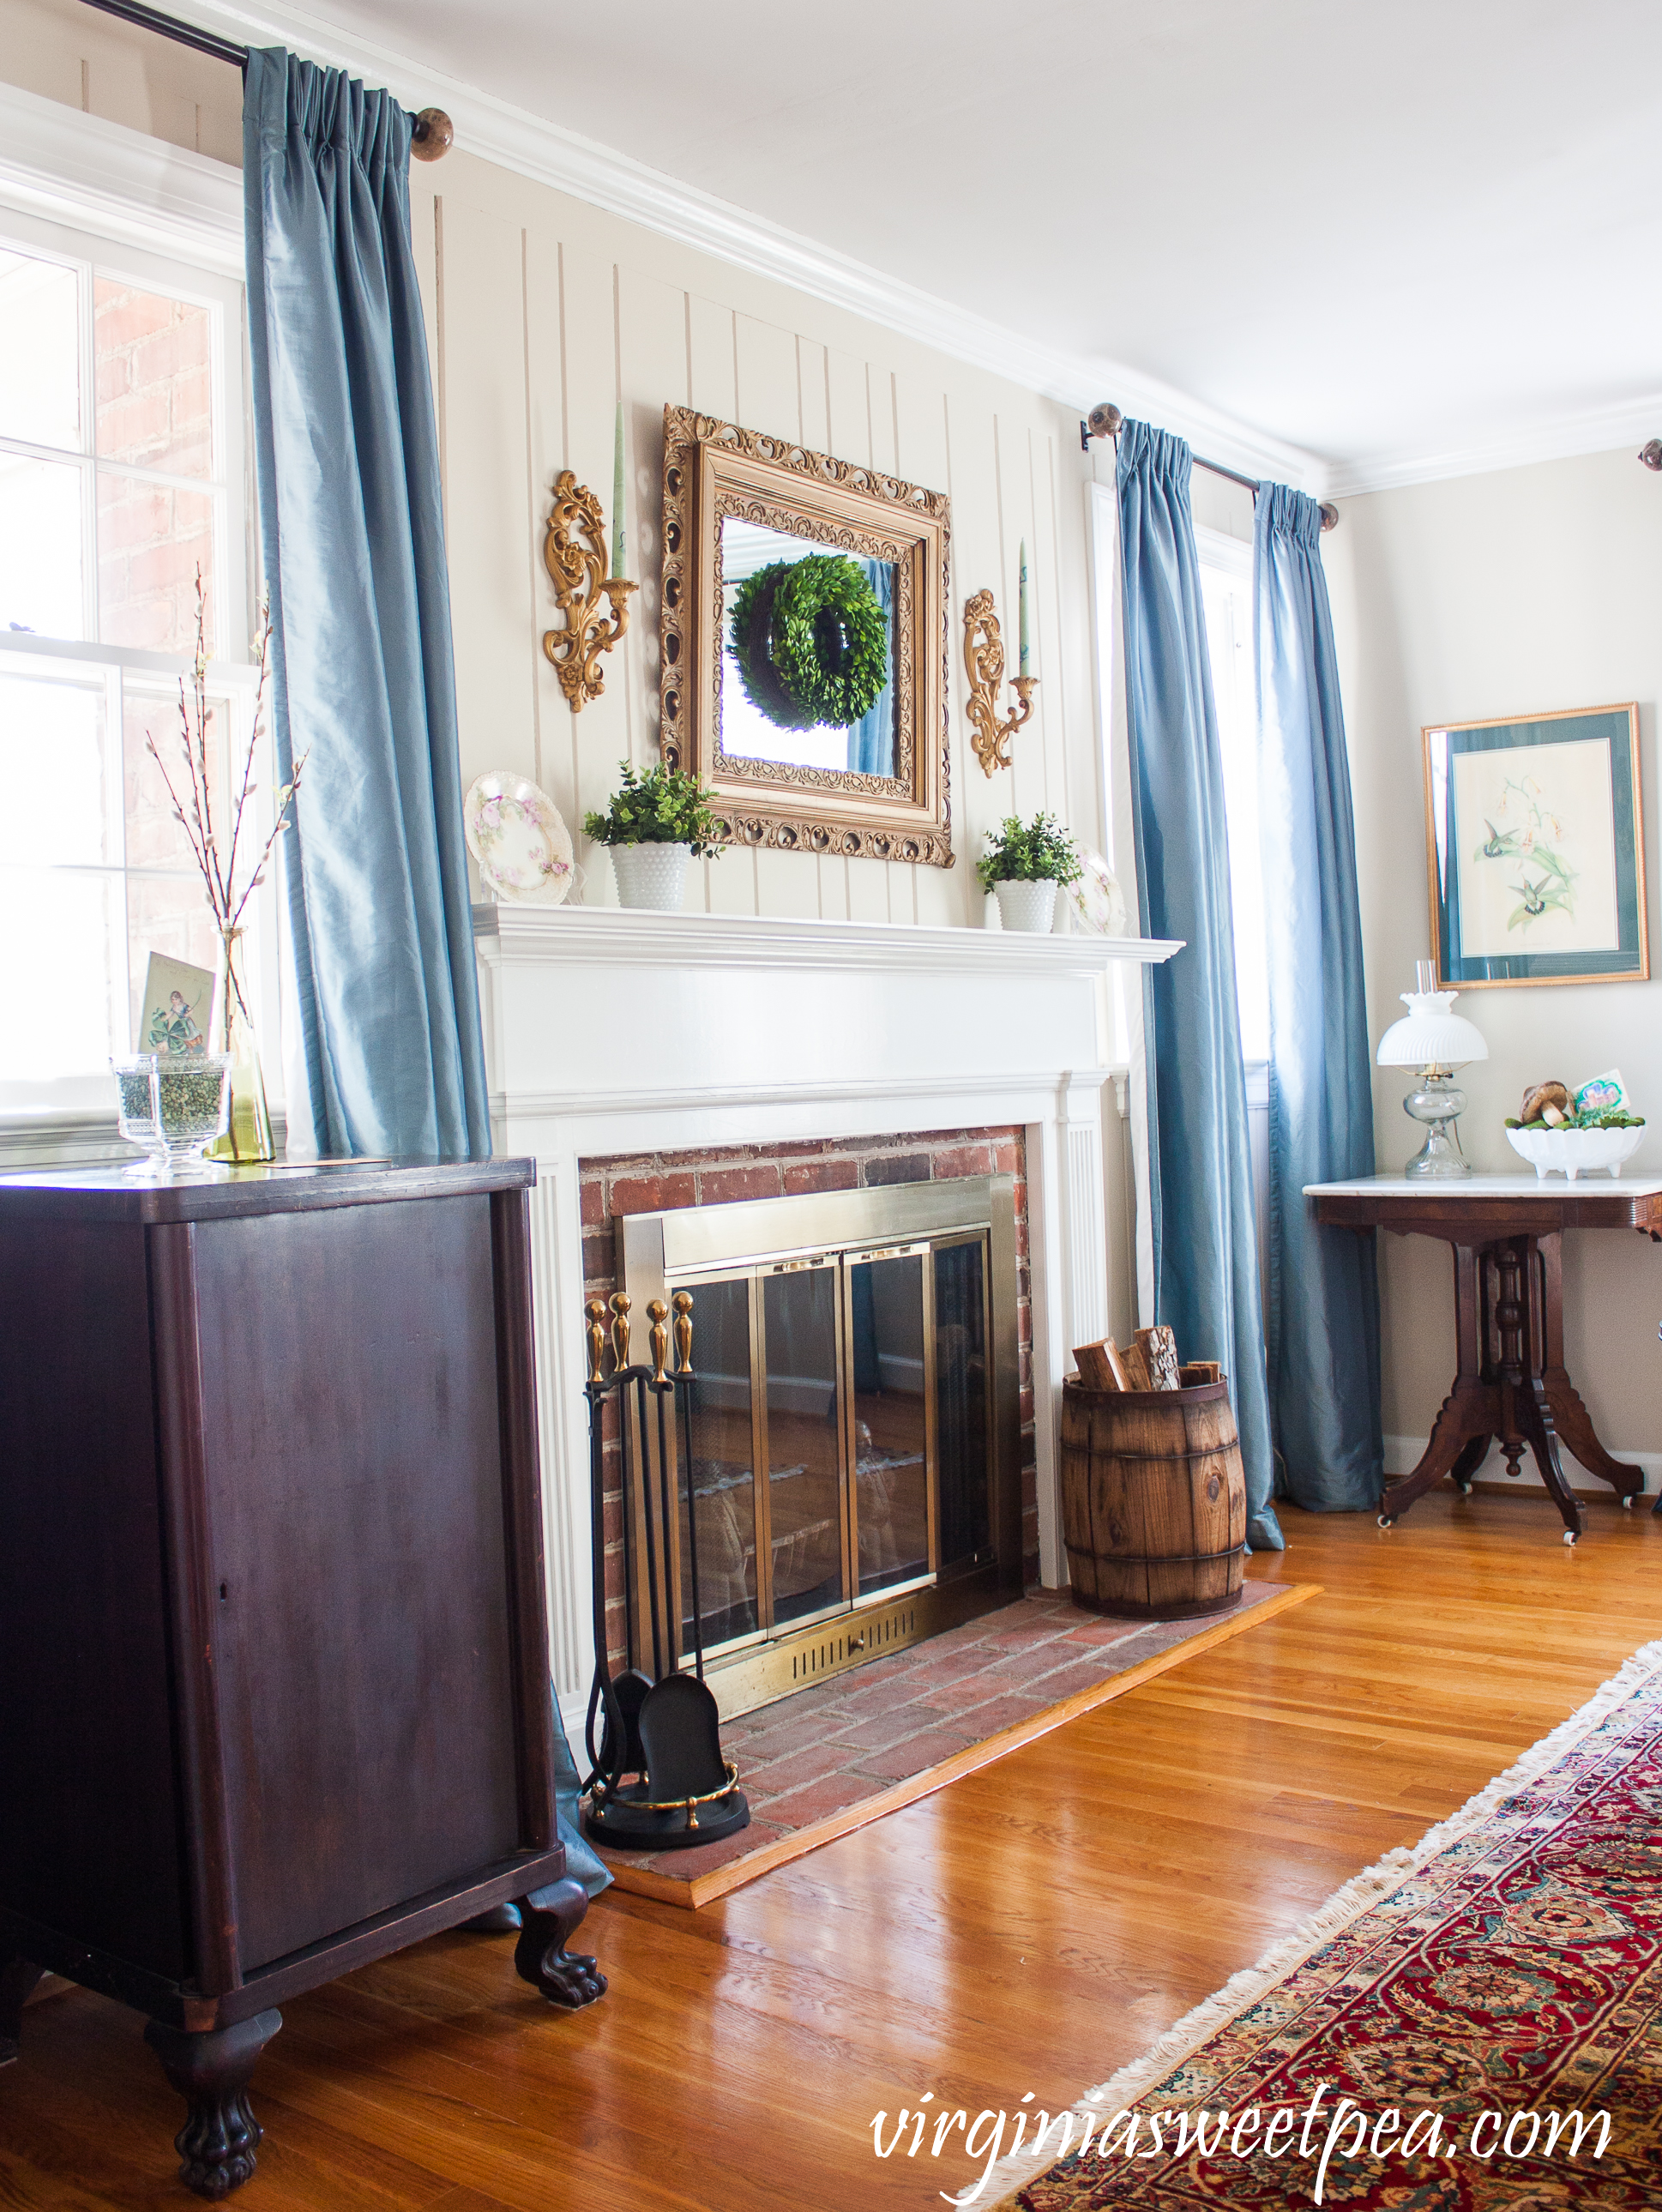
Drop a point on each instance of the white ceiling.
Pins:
(1392, 236)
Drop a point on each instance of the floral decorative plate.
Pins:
(515, 833)
(1096, 898)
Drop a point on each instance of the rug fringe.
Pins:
(1121, 2090)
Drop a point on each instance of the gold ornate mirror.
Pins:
(805, 644)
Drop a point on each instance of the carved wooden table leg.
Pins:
(540, 1957)
(1570, 1417)
(1524, 1411)
(210, 2071)
(1467, 1419)
(17, 1978)
(1473, 1452)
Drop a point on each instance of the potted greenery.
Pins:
(1027, 863)
(654, 825)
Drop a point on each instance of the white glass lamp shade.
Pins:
(1431, 1035)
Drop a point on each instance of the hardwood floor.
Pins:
(1033, 1926)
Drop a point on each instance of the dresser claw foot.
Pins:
(210, 2071)
(540, 1957)
(17, 1978)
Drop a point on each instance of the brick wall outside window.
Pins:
(661, 1182)
(153, 363)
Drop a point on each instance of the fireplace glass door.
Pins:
(802, 1403)
(840, 1434)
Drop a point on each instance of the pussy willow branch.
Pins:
(219, 874)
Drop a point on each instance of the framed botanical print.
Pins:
(1535, 849)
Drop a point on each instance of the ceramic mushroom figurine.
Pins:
(1545, 1102)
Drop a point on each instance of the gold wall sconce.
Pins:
(983, 661)
(572, 554)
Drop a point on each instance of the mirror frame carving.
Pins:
(713, 470)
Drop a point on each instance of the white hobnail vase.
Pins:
(651, 876)
(1030, 906)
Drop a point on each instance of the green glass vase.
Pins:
(247, 1139)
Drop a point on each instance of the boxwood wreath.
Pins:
(811, 642)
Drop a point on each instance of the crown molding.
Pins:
(68, 167)
(1549, 438)
(551, 154)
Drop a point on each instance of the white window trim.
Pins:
(61, 170)
(67, 167)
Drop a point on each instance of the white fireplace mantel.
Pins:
(610, 1031)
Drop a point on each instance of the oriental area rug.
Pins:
(814, 1766)
(1475, 2024)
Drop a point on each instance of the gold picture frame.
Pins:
(715, 471)
(1535, 850)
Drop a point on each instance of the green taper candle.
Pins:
(617, 496)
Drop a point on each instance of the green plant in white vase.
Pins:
(655, 823)
(1027, 864)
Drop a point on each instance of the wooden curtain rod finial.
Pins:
(433, 136)
(1651, 454)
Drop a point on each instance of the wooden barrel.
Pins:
(1154, 1501)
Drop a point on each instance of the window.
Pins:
(1226, 581)
(121, 478)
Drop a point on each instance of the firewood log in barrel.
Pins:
(1154, 1501)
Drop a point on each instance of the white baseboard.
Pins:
(1402, 1456)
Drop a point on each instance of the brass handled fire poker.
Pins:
(596, 1310)
(657, 1313)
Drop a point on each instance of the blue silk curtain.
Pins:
(871, 739)
(1322, 1323)
(1205, 1255)
(363, 682)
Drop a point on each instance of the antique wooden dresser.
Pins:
(274, 1684)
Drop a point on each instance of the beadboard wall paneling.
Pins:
(545, 314)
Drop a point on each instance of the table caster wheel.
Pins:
(1386, 1521)
(1570, 1535)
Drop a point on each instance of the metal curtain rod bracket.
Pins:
(1104, 421)
(432, 135)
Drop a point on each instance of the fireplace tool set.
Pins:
(663, 1727)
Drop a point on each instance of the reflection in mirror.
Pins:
(765, 715)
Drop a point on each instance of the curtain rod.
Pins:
(1104, 422)
(430, 137)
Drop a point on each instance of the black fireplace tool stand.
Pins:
(662, 1728)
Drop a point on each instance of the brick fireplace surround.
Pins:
(653, 1182)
